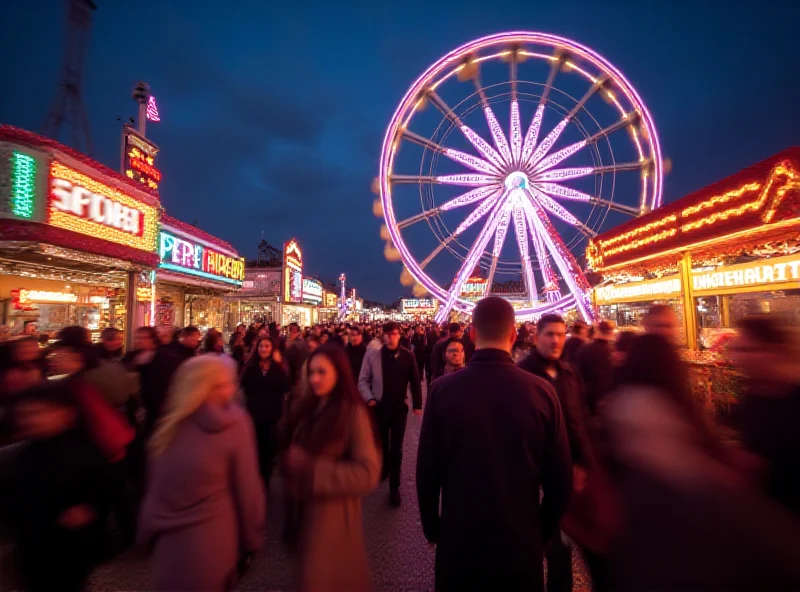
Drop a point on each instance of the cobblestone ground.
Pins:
(401, 558)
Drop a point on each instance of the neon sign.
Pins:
(152, 110)
(768, 271)
(312, 291)
(184, 256)
(80, 204)
(139, 159)
(292, 272)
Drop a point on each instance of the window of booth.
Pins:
(204, 311)
(631, 314)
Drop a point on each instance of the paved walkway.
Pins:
(400, 557)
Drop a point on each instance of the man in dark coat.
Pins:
(579, 337)
(419, 345)
(437, 354)
(595, 366)
(544, 362)
(356, 350)
(493, 438)
(188, 342)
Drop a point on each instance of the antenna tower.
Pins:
(68, 106)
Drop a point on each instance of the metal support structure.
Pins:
(130, 308)
(68, 107)
(687, 298)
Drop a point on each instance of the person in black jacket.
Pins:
(265, 381)
(60, 492)
(386, 376)
(595, 365)
(437, 354)
(356, 350)
(419, 345)
(544, 362)
(492, 438)
(187, 343)
(579, 337)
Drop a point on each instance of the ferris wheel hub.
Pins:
(516, 180)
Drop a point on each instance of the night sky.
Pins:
(273, 113)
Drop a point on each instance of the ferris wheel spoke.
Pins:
(494, 126)
(559, 191)
(470, 197)
(477, 214)
(471, 260)
(629, 119)
(418, 218)
(490, 278)
(612, 168)
(441, 247)
(412, 179)
(479, 143)
(521, 231)
(549, 204)
(564, 174)
(548, 275)
(516, 132)
(468, 160)
(468, 180)
(532, 136)
(563, 259)
(557, 157)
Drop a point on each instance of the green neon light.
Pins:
(23, 185)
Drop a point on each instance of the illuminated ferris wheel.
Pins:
(541, 136)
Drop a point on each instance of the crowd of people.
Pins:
(533, 443)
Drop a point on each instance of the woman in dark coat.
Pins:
(333, 462)
(265, 381)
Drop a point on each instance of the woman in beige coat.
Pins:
(332, 463)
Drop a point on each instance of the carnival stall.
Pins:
(195, 272)
(716, 255)
(77, 240)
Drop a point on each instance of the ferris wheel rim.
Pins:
(439, 69)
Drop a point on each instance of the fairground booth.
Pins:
(77, 240)
(195, 272)
(716, 255)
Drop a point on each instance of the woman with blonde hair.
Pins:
(204, 509)
(331, 464)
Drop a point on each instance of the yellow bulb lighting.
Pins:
(67, 220)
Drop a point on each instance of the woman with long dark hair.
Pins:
(265, 381)
(332, 463)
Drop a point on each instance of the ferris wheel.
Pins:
(540, 135)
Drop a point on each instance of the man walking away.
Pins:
(579, 337)
(386, 375)
(492, 439)
(544, 362)
(595, 366)
(420, 346)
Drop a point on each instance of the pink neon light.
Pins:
(497, 134)
(548, 142)
(522, 243)
(448, 62)
(516, 132)
(466, 180)
(476, 215)
(533, 134)
(560, 191)
(470, 197)
(554, 159)
(564, 174)
(473, 162)
(482, 146)
(555, 208)
(152, 110)
(502, 229)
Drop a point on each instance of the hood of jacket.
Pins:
(217, 418)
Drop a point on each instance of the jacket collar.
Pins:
(491, 357)
(536, 365)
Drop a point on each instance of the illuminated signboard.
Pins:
(78, 203)
(331, 300)
(757, 273)
(185, 255)
(312, 291)
(139, 159)
(418, 306)
(633, 291)
(44, 297)
(292, 272)
(474, 288)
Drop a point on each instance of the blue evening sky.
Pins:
(273, 112)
